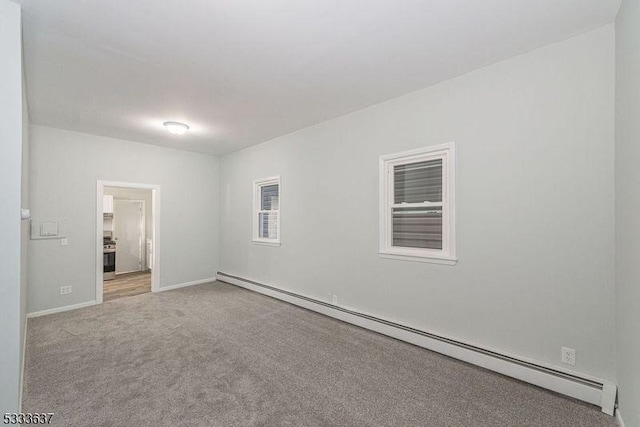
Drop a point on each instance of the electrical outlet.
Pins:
(568, 356)
(334, 299)
(65, 290)
(64, 241)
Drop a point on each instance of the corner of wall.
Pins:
(12, 255)
(24, 256)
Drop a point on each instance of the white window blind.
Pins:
(417, 207)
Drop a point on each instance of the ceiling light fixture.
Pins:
(176, 128)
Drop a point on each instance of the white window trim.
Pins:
(445, 256)
(257, 185)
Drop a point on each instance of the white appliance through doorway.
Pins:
(129, 234)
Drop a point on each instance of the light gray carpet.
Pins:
(218, 355)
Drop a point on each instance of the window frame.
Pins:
(446, 255)
(257, 210)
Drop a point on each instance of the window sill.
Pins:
(265, 242)
(432, 260)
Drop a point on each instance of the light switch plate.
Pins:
(64, 241)
(49, 229)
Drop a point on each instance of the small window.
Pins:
(266, 206)
(417, 205)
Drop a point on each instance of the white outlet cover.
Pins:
(568, 356)
(64, 241)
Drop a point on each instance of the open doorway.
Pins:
(127, 222)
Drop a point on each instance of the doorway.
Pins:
(128, 232)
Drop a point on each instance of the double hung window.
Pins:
(266, 206)
(417, 205)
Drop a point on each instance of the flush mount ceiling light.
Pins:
(176, 128)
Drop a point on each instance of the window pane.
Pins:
(418, 182)
(269, 197)
(417, 227)
(268, 225)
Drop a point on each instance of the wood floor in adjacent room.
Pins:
(218, 355)
(126, 285)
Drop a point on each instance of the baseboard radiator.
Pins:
(588, 389)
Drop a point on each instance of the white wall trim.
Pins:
(619, 418)
(185, 284)
(434, 260)
(60, 309)
(265, 243)
(493, 360)
(608, 398)
(24, 356)
(90, 303)
(155, 215)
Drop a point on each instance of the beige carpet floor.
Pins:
(218, 355)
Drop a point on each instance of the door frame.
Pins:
(155, 215)
(143, 230)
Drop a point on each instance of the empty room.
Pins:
(320, 213)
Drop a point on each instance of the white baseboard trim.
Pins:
(60, 309)
(184, 285)
(24, 356)
(90, 303)
(619, 418)
(582, 387)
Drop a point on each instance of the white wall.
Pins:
(65, 167)
(535, 207)
(627, 208)
(120, 193)
(11, 140)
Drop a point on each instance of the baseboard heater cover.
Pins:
(595, 391)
